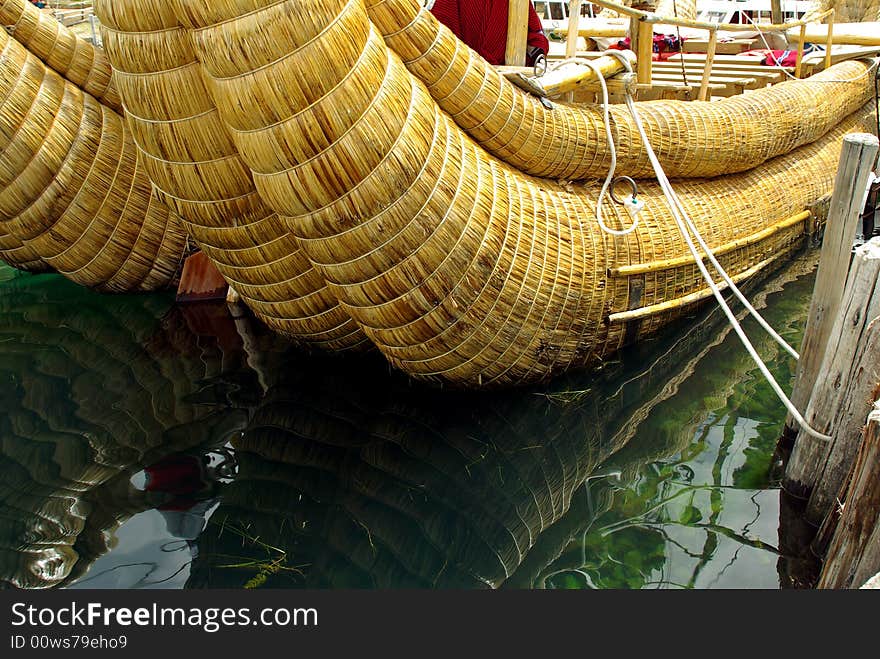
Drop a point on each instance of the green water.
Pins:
(147, 445)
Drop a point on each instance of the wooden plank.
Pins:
(731, 47)
(760, 71)
(517, 32)
(857, 159)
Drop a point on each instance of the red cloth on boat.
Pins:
(482, 25)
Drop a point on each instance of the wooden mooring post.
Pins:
(854, 554)
(838, 373)
(857, 159)
(842, 396)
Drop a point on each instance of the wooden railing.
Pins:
(641, 37)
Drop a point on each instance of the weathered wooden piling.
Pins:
(837, 384)
(843, 393)
(857, 159)
(854, 554)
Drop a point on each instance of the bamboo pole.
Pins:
(574, 17)
(696, 296)
(679, 261)
(575, 77)
(517, 32)
(798, 65)
(857, 158)
(854, 554)
(649, 17)
(707, 70)
(644, 52)
(829, 39)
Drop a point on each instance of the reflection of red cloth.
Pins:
(175, 474)
(482, 25)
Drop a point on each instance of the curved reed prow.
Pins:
(82, 63)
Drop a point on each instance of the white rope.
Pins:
(611, 147)
(686, 226)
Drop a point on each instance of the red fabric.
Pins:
(482, 25)
(775, 57)
(175, 474)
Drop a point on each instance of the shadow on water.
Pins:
(148, 445)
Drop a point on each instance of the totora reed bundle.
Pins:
(458, 267)
(690, 139)
(356, 173)
(193, 161)
(65, 53)
(71, 188)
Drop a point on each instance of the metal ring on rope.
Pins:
(619, 179)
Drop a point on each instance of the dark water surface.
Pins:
(147, 445)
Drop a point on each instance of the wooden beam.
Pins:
(707, 67)
(776, 11)
(517, 32)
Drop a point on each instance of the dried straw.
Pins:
(71, 187)
(568, 142)
(65, 53)
(23, 257)
(458, 267)
(192, 159)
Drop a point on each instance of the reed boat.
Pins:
(362, 178)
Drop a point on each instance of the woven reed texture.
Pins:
(194, 163)
(458, 267)
(850, 11)
(90, 391)
(71, 186)
(676, 8)
(65, 53)
(23, 257)
(569, 142)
